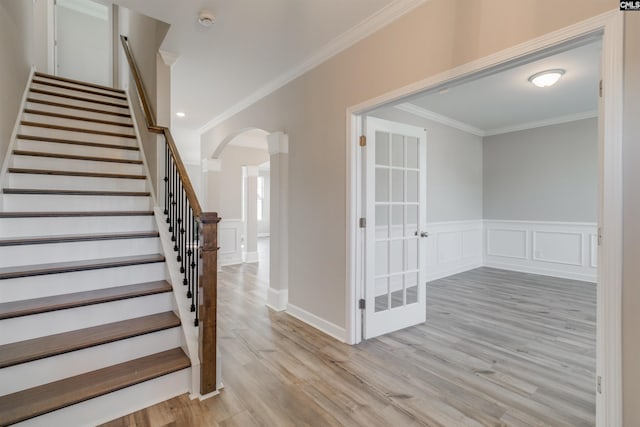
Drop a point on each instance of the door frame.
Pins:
(609, 26)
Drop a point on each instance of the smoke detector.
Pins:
(206, 18)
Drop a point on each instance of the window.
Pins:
(260, 198)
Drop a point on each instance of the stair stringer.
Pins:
(14, 133)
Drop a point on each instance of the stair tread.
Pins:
(72, 266)
(72, 142)
(33, 191)
(74, 129)
(79, 299)
(74, 157)
(79, 98)
(35, 240)
(73, 214)
(77, 107)
(75, 173)
(52, 345)
(79, 89)
(79, 118)
(78, 82)
(46, 398)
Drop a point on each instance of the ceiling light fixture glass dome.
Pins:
(546, 78)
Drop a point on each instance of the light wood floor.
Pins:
(498, 349)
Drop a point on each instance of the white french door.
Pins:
(395, 244)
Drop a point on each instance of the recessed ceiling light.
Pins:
(546, 78)
(180, 114)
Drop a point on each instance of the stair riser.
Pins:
(76, 136)
(77, 86)
(25, 227)
(51, 163)
(76, 150)
(117, 404)
(31, 374)
(55, 322)
(61, 203)
(75, 251)
(79, 281)
(61, 182)
(40, 118)
(86, 104)
(62, 91)
(75, 112)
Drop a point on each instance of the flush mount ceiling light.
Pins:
(546, 78)
(206, 18)
(180, 114)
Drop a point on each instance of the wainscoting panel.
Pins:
(230, 241)
(560, 249)
(453, 247)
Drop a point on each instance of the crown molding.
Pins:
(542, 123)
(97, 10)
(373, 23)
(439, 118)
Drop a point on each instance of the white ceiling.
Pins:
(507, 101)
(252, 44)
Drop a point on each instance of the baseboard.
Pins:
(542, 271)
(322, 325)
(441, 273)
(249, 257)
(264, 234)
(277, 299)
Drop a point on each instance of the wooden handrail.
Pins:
(152, 126)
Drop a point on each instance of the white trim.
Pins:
(250, 257)
(262, 235)
(251, 171)
(373, 23)
(319, 323)
(542, 123)
(540, 271)
(90, 8)
(277, 299)
(407, 107)
(278, 143)
(169, 58)
(609, 327)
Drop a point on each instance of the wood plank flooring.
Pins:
(498, 349)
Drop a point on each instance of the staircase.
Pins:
(87, 324)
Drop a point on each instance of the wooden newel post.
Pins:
(207, 310)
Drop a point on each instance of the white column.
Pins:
(250, 253)
(278, 294)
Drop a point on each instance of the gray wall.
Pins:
(529, 175)
(230, 193)
(631, 224)
(454, 168)
(16, 28)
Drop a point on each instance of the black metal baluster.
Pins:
(196, 287)
(187, 273)
(174, 207)
(166, 180)
(170, 191)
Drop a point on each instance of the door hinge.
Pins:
(600, 89)
(363, 140)
(599, 387)
(363, 222)
(361, 304)
(599, 236)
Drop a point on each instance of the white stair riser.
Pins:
(62, 100)
(75, 136)
(25, 227)
(63, 182)
(117, 404)
(76, 150)
(72, 92)
(40, 118)
(75, 251)
(56, 322)
(75, 112)
(32, 374)
(75, 85)
(60, 203)
(79, 281)
(51, 163)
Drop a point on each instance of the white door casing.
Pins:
(395, 188)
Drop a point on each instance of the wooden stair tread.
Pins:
(72, 266)
(79, 98)
(73, 142)
(28, 307)
(46, 398)
(73, 214)
(77, 107)
(75, 173)
(74, 157)
(32, 191)
(78, 82)
(53, 345)
(79, 89)
(41, 240)
(79, 118)
(79, 130)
